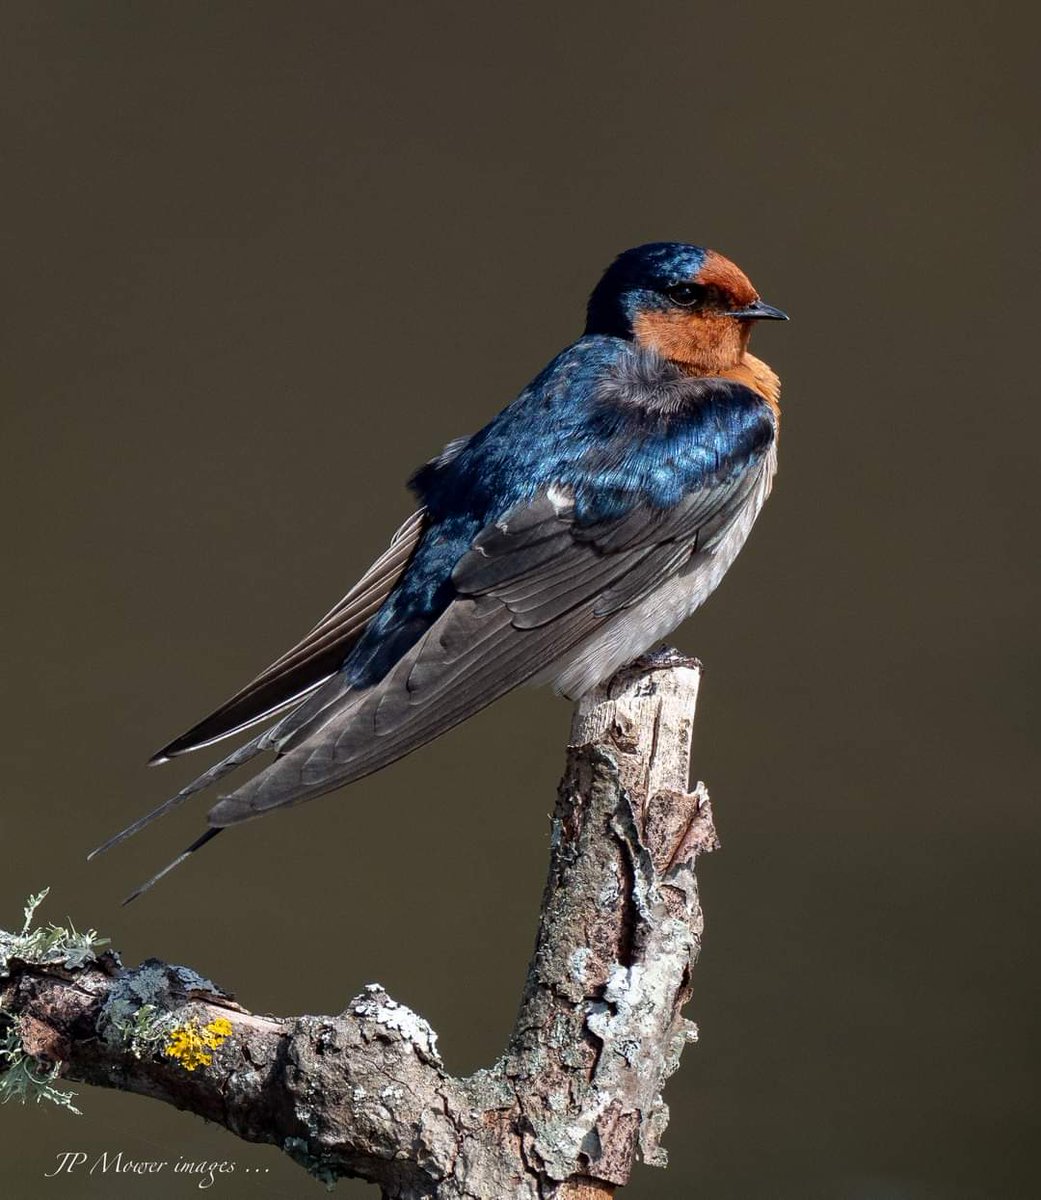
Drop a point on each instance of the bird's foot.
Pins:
(663, 656)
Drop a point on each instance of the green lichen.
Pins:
(61, 945)
(141, 1031)
(21, 1076)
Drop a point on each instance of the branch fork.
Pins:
(576, 1096)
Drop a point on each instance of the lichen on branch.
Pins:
(575, 1099)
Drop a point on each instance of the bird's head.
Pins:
(688, 304)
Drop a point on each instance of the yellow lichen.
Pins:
(189, 1043)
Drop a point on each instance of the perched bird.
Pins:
(572, 532)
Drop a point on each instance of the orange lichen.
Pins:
(191, 1042)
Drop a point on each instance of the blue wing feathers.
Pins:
(596, 420)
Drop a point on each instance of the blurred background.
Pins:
(263, 260)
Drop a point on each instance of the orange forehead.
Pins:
(719, 272)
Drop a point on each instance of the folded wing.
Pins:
(534, 585)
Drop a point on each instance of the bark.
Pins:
(577, 1096)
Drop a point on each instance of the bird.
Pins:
(577, 529)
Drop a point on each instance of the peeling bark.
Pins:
(576, 1097)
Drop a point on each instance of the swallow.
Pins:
(578, 528)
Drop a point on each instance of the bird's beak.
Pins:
(758, 311)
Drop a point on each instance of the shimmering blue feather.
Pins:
(567, 428)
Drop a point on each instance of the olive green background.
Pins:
(262, 260)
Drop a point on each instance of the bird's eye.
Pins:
(689, 295)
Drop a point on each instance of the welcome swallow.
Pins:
(576, 529)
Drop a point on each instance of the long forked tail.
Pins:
(199, 841)
(235, 759)
(270, 739)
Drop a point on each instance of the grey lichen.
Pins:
(134, 1015)
(189, 980)
(375, 1005)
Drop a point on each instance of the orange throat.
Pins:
(700, 345)
(708, 346)
(760, 377)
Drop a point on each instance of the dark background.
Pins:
(262, 260)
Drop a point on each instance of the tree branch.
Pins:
(577, 1094)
